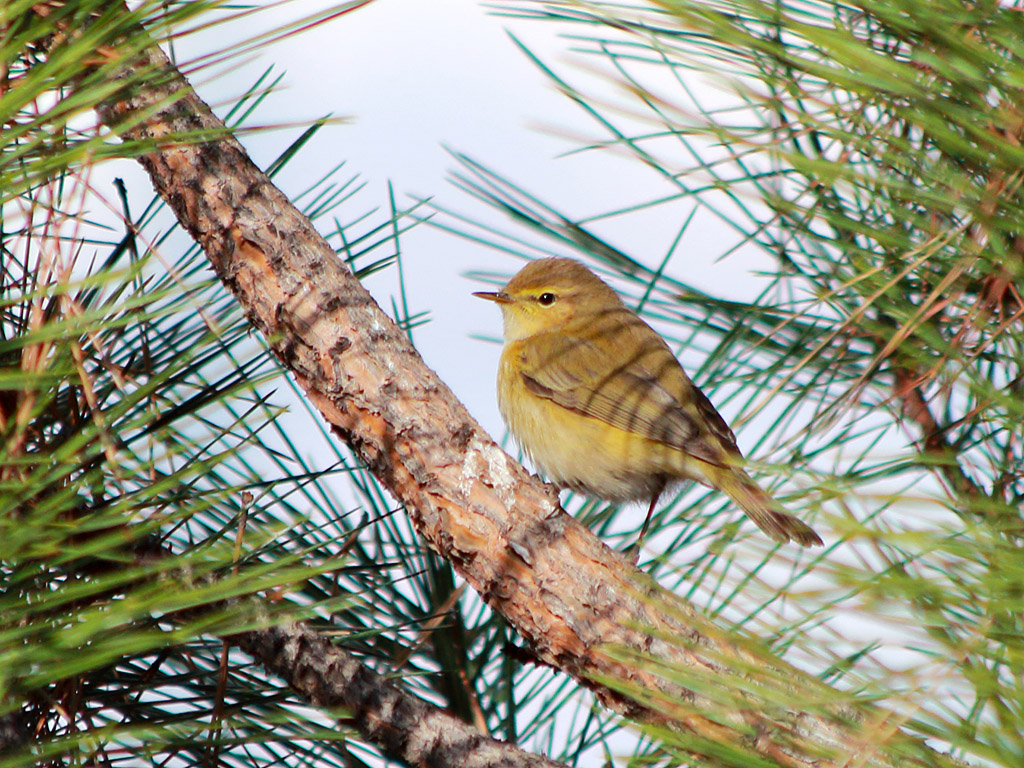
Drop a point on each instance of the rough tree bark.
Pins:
(405, 727)
(581, 607)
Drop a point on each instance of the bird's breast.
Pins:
(577, 451)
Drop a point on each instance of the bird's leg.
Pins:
(553, 490)
(635, 549)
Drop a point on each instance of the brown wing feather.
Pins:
(715, 421)
(585, 373)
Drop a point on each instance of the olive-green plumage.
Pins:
(601, 405)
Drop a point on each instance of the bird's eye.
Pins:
(546, 299)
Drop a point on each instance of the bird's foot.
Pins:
(551, 489)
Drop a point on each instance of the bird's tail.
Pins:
(762, 508)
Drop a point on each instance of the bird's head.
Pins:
(548, 294)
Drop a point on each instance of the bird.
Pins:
(599, 403)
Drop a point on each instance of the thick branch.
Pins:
(405, 727)
(579, 605)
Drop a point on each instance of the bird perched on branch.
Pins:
(600, 404)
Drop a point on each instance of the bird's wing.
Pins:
(644, 391)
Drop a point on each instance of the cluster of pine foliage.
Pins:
(153, 504)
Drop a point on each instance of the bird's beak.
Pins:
(500, 297)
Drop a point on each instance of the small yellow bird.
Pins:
(600, 404)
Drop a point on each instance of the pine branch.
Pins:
(932, 436)
(403, 726)
(578, 604)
